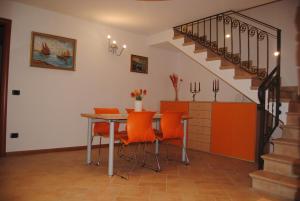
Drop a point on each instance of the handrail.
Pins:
(237, 13)
(255, 20)
(269, 119)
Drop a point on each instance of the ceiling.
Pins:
(142, 17)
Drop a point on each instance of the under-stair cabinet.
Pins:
(224, 128)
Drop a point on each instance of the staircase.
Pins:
(239, 50)
(281, 171)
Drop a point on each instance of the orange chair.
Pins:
(128, 110)
(171, 128)
(101, 129)
(139, 131)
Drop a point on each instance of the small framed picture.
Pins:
(139, 64)
(49, 51)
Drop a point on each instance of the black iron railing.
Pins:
(242, 40)
(251, 45)
(269, 97)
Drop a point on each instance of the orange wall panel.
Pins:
(234, 130)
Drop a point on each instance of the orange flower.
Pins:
(138, 94)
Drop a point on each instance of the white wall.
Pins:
(47, 113)
(282, 15)
(191, 71)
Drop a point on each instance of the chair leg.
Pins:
(187, 160)
(132, 167)
(99, 151)
(122, 154)
(157, 169)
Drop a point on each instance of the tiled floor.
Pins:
(64, 176)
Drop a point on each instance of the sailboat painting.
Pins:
(49, 51)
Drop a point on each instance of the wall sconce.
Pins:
(113, 47)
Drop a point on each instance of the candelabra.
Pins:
(216, 88)
(194, 90)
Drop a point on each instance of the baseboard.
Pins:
(62, 149)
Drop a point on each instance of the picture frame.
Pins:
(139, 64)
(50, 51)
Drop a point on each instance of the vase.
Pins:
(138, 105)
(176, 94)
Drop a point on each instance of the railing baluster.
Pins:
(210, 32)
(240, 44)
(217, 34)
(224, 44)
(268, 54)
(248, 58)
(204, 38)
(257, 55)
(192, 29)
(197, 29)
(231, 37)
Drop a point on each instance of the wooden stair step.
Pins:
(286, 141)
(283, 186)
(283, 165)
(225, 67)
(282, 159)
(188, 43)
(276, 178)
(287, 147)
(226, 64)
(178, 36)
(199, 48)
(291, 132)
(289, 92)
(213, 58)
(292, 126)
(294, 106)
(289, 88)
(293, 118)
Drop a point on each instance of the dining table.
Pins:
(122, 118)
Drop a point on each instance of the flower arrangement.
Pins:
(138, 94)
(174, 78)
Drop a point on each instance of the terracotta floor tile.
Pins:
(64, 176)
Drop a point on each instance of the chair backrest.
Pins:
(171, 125)
(139, 127)
(129, 110)
(103, 127)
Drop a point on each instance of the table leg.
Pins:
(111, 149)
(89, 142)
(183, 157)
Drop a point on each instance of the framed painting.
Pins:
(139, 64)
(49, 51)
